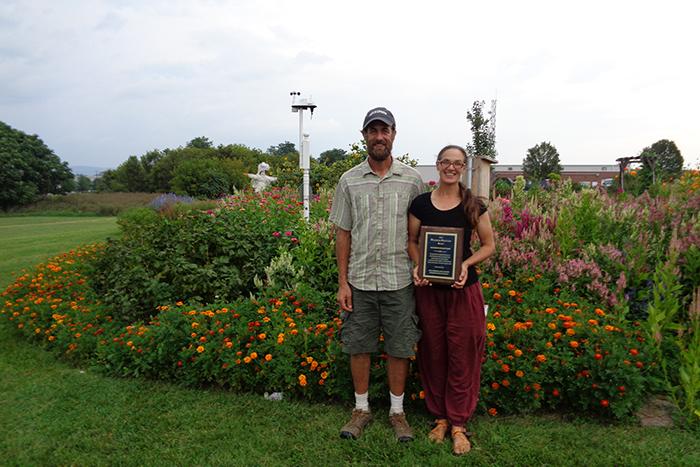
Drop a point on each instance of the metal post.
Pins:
(306, 167)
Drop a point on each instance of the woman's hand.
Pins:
(418, 281)
(462, 279)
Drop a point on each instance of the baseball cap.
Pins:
(379, 113)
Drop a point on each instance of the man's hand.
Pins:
(345, 297)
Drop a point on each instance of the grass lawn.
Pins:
(26, 241)
(54, 414)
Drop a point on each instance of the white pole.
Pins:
(306, 158)
(470, 165)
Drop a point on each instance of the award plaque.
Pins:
(441, 253)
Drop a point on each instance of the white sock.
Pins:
(362, 401)
(396, 404)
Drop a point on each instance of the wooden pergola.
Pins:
(624, 162)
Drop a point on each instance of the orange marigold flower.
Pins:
(200, 349)
(268, 357)
(229, 344)
(195, 324)
(593, 322)
(570, 332)
(512, 293)
(541, 358)
(262, 336)
(495, 386)
(496, 296)
(505, 368)
(324, 375)
(505, 383)
(557, 335)
(536, 386)
(254, 355)
(203, 339)
(552, 325)
(609, 328)
(491, 326)
(599, 312)
(421, 395)
(302, 380)
(493, 412)
(573, 344)
(519, 374)
(518, 352)
(247, 359)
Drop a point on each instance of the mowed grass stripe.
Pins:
(27, 241)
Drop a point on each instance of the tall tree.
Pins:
(28, 168)
(541, 160)
(483, 132)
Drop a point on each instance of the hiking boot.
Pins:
(402, 429)
(437, 434)
(358, 421)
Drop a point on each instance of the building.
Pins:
(587, 175)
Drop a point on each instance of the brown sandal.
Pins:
(437, 434)
(460, 442)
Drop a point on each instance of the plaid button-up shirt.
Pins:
(375, 211)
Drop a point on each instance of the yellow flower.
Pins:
(200, 349)
(491, 327)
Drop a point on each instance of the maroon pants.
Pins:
(450, 349)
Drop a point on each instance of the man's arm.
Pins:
(343, 241)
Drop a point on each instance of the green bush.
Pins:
(187, 254)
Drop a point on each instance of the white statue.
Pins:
(261, 180)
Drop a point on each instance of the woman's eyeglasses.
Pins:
(456, 164)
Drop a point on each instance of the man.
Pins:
(375, 290)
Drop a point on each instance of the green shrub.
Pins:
(187, 254)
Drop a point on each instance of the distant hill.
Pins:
(87, 170)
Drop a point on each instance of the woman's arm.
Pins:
(488, 246)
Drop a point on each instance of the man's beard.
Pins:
(380, 154)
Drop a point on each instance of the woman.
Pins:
(452, 316)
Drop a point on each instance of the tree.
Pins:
(132, 175)
(29, 168)
(282, 149)
(204, 178)
(332, 155)
(83, 183)
(483, 132)
(661, 161)
(200, 142)
(541, 160)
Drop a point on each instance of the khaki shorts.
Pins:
(389, 312)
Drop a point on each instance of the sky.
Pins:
(102, 80)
